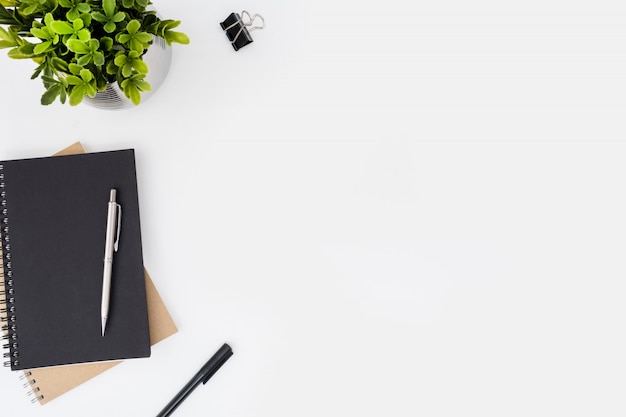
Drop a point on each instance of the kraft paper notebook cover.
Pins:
(53, 222)
(47, 384)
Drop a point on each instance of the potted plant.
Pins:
(81, 46)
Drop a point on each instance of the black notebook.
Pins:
(54, 220)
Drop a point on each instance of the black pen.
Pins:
(203, 375)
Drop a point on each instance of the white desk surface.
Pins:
(390, 208)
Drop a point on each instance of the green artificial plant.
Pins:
(80, 46)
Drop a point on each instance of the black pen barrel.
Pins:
(205, 373)
(180, 397)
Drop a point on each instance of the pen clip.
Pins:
(119, 227)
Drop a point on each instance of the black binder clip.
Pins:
(238, 29)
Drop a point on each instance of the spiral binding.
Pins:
(31, 384)
(7, 298)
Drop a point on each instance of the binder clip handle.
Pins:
(251, 20)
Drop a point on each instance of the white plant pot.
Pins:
(158, 57)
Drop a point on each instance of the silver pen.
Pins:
(114, 218)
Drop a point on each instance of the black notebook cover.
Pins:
(53, 233)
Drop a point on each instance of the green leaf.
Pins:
(133, 26)
(42, 47)
(40, 33)
(143, 37)
(48, 19)
(118, 17)
(27, 49)
(36, 73)
(77, 95)
(170, 24)
(109, 7)
(123, 37)
(72, 14)
(83, 34)
(59, 64)
(143, 85)
(7, 40)
(177, 37)
(86, 75)
(91, 90)
(73, 80)
(120, 59)
(5, 35)
(77, 46)
(75, 68)
(109, 27)
(140, 66)
(98, 58)
(99, 17)
(93, 44)
(86, 18)
(137, 46)
(48, 80)
(132, 92)
(30, 9)
(127, 69)
(16, 54)
(78, 24)
(84, 60)
(51, 94)
(111, 68)
(133, 87)
(63, 28)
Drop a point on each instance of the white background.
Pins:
(407, 208)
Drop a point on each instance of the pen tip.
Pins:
(104, 324)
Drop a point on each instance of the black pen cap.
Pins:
(216, 362)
